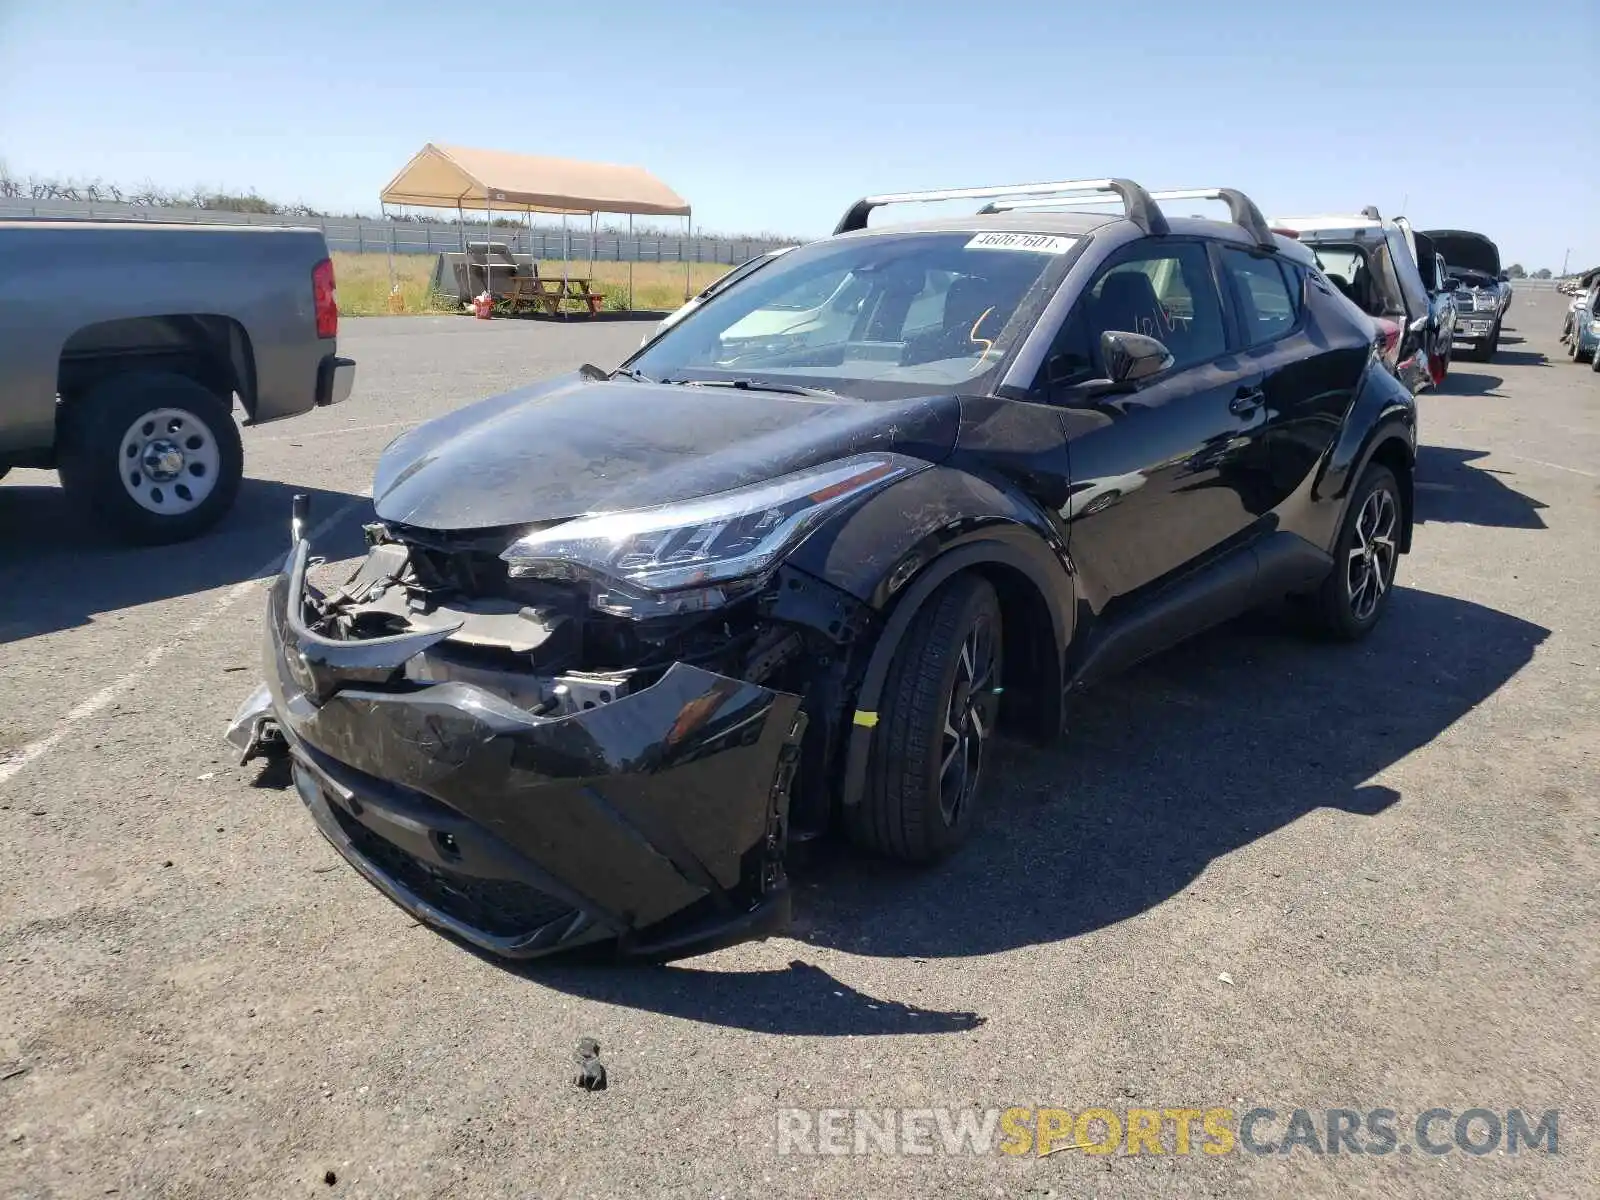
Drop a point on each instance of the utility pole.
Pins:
(1564, 257)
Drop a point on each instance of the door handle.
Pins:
(1246, 400)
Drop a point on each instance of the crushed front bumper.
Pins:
(658, 819)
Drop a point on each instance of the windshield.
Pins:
(883, 317)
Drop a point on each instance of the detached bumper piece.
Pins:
(658, 819)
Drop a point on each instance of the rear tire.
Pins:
(155, 456)
(1366, 557)
(938, 712)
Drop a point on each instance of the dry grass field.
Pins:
(364, 282)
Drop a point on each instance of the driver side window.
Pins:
(1164, 292)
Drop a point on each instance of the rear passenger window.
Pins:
(1267, 308)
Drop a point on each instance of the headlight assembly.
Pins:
(697, 554)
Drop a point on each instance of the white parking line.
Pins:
(1541, 462)
(322, 433)
(17, 760)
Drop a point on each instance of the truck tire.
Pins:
(155, 456)
(938, 710)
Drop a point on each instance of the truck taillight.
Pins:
(325, 298)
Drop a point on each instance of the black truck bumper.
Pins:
(657, 820)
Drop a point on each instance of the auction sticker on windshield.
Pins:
(1039, 243)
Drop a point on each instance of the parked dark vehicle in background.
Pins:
(622, 638)
(124, 344)
(1375, 264)
(1485, 291)
(1441, 288)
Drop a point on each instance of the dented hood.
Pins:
(580, 444)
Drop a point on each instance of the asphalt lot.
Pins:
(1392, 852)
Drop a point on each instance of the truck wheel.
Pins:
(938, 711)
(156, 456)
(1365, 559)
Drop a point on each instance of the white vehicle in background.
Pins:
(1373, 262)
(732, 277)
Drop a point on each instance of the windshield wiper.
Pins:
(755, 385)
(630, 373)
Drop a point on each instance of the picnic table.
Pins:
(533, 292)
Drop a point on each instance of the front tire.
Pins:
(1356, 592)
(938, 712)
(156, 456)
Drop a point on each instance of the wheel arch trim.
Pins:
(970, 556)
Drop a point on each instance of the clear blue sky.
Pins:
(1479, 114)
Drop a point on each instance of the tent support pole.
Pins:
(383, 210)
(461, 226)
(633, 253)
(688, 219)
(594, 225)
(566, 254)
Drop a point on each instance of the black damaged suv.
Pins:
(622, 637)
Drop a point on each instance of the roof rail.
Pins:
(1241, 209)
(1141, 209)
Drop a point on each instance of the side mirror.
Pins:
(1131, 357)
(1504, 277)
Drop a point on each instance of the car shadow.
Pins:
(1205, 749)
(1450, 488)
(1521, 358)
(1469, 383)
(62, 569)
(799, 1000)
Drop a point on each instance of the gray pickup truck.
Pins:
(124, 345)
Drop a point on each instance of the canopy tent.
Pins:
(461, 178)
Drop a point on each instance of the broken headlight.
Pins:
(697, 554)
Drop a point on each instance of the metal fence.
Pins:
(422, 237)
